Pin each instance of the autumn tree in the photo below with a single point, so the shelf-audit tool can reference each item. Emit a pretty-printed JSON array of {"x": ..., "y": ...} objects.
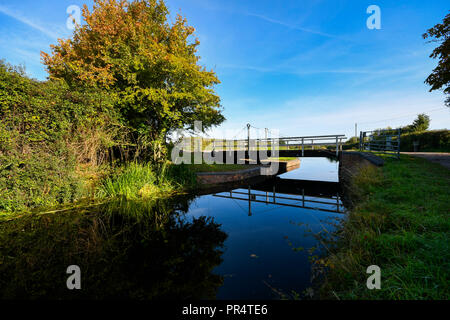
[
  {"x": 150, "y": 65},
  {"x": 440, "y": 77}
]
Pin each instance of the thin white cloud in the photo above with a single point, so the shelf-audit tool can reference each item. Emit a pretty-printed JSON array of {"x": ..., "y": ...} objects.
[
  {"x": 300, "y": 72},
  {"x": 210, "y": 6},
  {"x": 19, "y": 17},
  {"x": 294, "y": 27}
]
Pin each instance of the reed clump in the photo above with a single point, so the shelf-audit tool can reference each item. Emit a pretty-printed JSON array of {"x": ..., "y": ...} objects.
[{"x": 144, "y": 180}]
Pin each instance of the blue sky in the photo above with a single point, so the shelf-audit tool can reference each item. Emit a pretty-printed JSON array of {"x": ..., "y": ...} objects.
[{"x": 302, "y": 67}]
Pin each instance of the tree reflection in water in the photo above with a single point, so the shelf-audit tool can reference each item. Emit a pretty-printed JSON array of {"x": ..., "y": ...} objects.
[{"x": 126, "y": 250}]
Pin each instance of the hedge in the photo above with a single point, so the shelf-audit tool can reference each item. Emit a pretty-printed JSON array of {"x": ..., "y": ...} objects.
[{"x": 434, "y": 140}]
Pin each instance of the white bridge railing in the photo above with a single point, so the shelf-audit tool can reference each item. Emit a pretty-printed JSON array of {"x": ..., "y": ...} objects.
[{"x": 300, "y": 143}]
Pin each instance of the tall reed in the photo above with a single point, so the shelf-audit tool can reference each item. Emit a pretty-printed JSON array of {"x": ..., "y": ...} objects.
[{"x": 138, "y": 180}]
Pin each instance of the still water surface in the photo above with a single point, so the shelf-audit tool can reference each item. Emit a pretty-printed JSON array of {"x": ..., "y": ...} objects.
[
  {"x": 260, "y": 260},
  {"x": 248, "y": 243}
]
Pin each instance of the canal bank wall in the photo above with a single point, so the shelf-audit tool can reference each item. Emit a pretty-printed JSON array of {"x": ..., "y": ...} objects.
[
  {"x": 350, "y": 165},
  {"x": 213, "y": 178},
  {"x": 206, "y": 179}
]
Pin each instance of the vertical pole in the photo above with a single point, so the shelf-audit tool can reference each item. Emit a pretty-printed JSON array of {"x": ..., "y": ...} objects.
[
  {"x": 303, "y": 147},
  {"x": 303, "y": 197},
  {"x": 337, "y": 202},
  {"x": 273, "y": 194},
  {"x": 248, "y": 139},
  {"x": 356, "y": 130},
  {"x": 249, "y": 203},
  {"x": 337, "y": 147},
  {"x": 360, "y": 141},
  {"x": 265, "y": 137},
  {"x": 312, "y": 144}
]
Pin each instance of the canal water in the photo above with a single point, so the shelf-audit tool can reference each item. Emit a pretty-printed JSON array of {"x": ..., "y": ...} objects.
[{"x": 257, "y": 241}]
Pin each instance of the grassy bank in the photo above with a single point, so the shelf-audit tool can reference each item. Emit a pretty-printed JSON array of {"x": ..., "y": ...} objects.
[
  {"x": 400, "y": 222},
  {"x": 143, "y": 181},
  {"x": 133, "y": 181}
]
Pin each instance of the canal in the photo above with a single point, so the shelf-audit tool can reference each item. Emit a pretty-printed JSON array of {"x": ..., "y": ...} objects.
[{"x": 257, "y": 241}]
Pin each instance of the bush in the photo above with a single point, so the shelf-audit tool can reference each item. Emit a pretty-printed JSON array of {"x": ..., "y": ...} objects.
[
  {"x": 46, "y": 131},
  {"x": 434, "y": 140}
]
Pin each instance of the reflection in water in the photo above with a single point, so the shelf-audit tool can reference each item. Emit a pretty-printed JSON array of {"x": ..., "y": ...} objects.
[
  {"x": 329, "y": 204},
  {"x": 236, "y": 244},
  {"x": 268, "y": 253},
  {"x": 124, "y": 249}
]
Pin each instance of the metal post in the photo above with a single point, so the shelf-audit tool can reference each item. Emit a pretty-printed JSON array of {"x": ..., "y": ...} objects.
[
  {"x": 303, "y": 147},
  {"x": 360, "y": 141},
  {"x": 312, "y": 144},
  {"x": 249, "y": 203},
  {"x": 248, "y": 139},
  {"x": 337, "y": 206},
  {"x": 266, "y": 131},
  {"x": 337, "y": 147}
]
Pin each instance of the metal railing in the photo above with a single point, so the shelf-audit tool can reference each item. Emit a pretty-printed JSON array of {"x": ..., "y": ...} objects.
[
  {"x": 382, "y": 140},
  {"x": 300, "y": 143}
]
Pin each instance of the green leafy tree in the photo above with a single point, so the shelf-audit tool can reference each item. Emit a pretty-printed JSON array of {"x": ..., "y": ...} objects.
[
  {"x": 147, "y": 63},
  {"x": 422, "y": 123},
  {"x": 440, "y": 77}
]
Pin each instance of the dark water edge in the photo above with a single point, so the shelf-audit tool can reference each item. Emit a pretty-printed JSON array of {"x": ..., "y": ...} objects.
[{"x": 251, "y": 242}]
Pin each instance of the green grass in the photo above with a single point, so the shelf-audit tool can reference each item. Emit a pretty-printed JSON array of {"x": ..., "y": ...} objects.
[
  {"x": 400, "y": 222},
  {"x": 144, "y": 181}
]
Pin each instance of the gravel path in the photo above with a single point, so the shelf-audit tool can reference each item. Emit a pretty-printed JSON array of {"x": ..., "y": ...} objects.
[{"x": 438, "y": 157}]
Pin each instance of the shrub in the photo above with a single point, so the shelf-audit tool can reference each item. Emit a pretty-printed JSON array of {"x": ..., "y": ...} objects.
[
  {"x": 46, "y": 131},
  {"x": 434, "y": 140}
]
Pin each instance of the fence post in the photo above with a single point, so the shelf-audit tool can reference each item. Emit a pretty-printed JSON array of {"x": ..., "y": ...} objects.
[
  {"x": 337, "y": 147},
  {"x": 360, "y": 141},
  {"x": 303, "y": 147}
]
